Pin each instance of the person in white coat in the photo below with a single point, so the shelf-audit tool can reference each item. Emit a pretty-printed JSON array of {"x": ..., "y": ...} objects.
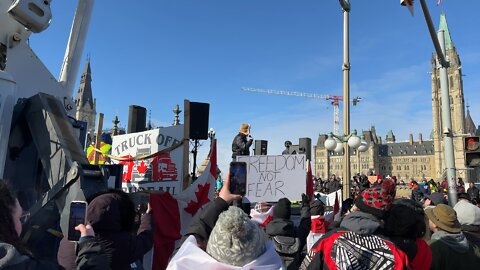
[{"x": 225, "y": 239}]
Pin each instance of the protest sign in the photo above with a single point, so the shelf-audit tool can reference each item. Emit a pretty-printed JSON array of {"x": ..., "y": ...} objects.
[
  {"x": 162, "y": 172},
  {"x": 270, "y": 178}
]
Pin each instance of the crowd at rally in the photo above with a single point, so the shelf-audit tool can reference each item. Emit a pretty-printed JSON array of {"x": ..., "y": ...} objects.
[
  {"x": 384, "y": 224},
  {"x": 374, "y": 229}
]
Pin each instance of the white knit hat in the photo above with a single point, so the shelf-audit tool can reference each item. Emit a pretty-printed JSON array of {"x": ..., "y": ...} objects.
[
  {"x": 235, "y": 239},
  {"x": 467, "y": 213}
]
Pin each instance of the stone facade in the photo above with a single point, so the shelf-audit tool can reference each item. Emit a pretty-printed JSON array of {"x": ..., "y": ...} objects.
[{"x": 412, "y": 159}]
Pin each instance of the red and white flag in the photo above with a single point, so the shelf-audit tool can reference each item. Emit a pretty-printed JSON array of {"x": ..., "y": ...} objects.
[
  {"x": 260, "y": 217},
  {"x": 408, "y": 4},
  {"x": 329, "y": 218},
  {"x": 173, "y": 214},
  {"x": 439, "y": 2}
]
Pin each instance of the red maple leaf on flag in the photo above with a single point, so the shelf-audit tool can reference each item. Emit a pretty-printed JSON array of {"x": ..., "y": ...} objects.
[
  {"x": 202, "y": 199},
  {"x": 142, "y": 167}
]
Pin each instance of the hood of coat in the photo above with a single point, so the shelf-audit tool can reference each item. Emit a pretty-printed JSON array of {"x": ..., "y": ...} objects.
[
  {"x": 108, "y": 213},
  {"x": 361, "y": 223},
  {"x": 456, "y": 241},
  {"x": 280, "y": 226},
  {"x": 191, "y": 257},
  {"x": 9, "y": 255}
]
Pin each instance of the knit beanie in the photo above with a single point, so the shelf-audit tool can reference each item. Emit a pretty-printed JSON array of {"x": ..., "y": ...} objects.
[
  {"x": 282, "y": 209},
  {"x": 317, "y": 208},
  {"x": 235, "y": 240},
  {"x": 377, "y": 200}
]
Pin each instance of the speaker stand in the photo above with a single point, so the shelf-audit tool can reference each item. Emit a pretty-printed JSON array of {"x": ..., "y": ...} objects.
[{"x": 194, "y": 152}]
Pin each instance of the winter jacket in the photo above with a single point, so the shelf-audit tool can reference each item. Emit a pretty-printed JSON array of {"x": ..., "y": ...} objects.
[
  {"x": 333, "y": 186},
  {"x": 191, "y": 257},
  {"x": 318, "y": 228},
  {"x": 241, "y": 145},
  {"x": 122, "y": 248},
  {"x": 474, "y": 193},
  {"x": 417, "y": 250},
  {"x": 343, "y": 249},
  {"x": 453, "y": 251},
  {"x": 284, "y": 231},
  {"x": 89, "y": 256}
]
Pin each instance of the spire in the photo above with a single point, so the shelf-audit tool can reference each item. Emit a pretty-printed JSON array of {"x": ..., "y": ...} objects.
[
  {"x": 444, "y": 26},
  {"x": 469, "y": 124},
  {"x": 390, "y": 137},
  {"x": 84, "y": 94}
]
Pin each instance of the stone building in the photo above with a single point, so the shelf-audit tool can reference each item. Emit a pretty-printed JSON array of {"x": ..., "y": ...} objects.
[
  {"x": 412, "y": 159},
  {"x": 86, "y": 105}
]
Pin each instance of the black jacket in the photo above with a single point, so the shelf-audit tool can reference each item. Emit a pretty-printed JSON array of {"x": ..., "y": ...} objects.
[
  {"x": 121, "y": 247},
  {"x": 89, "y": 256},
  {"x": 474, "y": 193},
  {"x": 286, "y": 228},
  {"x": 240, "y": 145}
]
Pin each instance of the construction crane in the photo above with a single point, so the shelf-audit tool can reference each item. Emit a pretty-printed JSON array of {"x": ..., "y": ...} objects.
[{"x": 335, "y": 100}]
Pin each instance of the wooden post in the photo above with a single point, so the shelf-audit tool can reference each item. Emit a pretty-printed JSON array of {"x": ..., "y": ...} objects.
[
  {"x": 186, "y": 144},
  {"x": 98, "y": 138}
]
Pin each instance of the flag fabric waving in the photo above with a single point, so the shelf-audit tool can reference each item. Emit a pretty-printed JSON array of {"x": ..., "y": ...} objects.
[
  {"x": 173, "y": 214},
  {"x": 439, "y": 2},
  {"x": 260, "y": 217}
]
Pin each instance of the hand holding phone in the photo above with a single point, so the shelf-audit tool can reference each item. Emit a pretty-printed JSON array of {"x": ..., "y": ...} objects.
[
  {"x": 78, "y": 215},
  {"x": 238, "y": 178}
]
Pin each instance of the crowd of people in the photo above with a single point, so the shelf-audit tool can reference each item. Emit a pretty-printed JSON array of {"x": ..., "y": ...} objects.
[
  {"x": 375, "y": 229},
  {"x": 385, "y": 224}
]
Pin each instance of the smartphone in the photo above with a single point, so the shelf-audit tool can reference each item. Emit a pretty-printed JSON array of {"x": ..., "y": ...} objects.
[
  {"x": 238, "y": 178},
  {"x": 78, "y": 215}
]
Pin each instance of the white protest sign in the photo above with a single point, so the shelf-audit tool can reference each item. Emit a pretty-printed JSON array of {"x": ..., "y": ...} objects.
[
  {"x": 162, "y": 172},
  {"x": 270, "y": 178}
]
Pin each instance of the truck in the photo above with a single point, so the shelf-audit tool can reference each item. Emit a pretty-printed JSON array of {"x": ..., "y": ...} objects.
[{"x": 41, "y": 155}]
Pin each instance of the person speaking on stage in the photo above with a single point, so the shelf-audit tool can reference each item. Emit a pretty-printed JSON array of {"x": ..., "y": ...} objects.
[{"x": 242, "y": 142}]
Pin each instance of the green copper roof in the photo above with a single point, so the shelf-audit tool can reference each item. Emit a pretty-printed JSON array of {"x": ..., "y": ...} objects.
[
  {"x": 390, "y": 135},
  {"x": 431, "y": 135},
  {"x": 443, "y": 26}
]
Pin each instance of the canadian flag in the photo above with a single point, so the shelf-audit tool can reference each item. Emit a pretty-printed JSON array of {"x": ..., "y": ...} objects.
[
  {"x": 173, "y": 214},
  {"x": 260, "y": 217}
]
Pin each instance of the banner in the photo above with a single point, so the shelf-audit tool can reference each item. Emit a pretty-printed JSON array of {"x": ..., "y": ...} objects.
[
  {"x": 270, "y": 178},
  {"x": 162, "y": 172}
]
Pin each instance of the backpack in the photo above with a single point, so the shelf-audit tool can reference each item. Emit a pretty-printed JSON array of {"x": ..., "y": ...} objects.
[{"x": 289, "y": 249}]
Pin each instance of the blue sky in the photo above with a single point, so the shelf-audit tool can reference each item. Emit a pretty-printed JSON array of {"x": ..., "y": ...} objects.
[{"x": 158, "y": 53}]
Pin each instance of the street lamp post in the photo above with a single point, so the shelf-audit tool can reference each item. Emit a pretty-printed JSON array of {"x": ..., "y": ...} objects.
[
  {"x": 345, "y": 4},
  {"x": 342, "y": 143},
  {"x": 211, "y": 135}
]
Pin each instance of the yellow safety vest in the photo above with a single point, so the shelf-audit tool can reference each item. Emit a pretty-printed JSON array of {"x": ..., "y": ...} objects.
[{"x": 104, "y": 147}]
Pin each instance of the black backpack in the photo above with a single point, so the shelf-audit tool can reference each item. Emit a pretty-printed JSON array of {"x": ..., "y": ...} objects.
[{"x": 289, "y": 249}]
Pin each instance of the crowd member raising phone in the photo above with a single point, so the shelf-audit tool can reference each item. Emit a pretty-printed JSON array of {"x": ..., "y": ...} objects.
[{"x": 15, "y": 255}]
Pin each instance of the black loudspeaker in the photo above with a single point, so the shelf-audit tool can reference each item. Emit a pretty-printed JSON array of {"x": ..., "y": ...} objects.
[
  {"x": 199, "y": 113},
  {"x": 305, "y": 147},
  {"x": 137, "y": 119},
  {"x": 261, "y": 147}
]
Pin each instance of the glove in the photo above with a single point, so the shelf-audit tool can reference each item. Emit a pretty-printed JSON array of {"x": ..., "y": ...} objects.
[{"x": 305, "y": 199}]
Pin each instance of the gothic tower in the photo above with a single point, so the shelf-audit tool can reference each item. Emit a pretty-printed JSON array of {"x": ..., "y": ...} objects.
[
  {"x": 84, "y": 101},
  {"x": 457, "y": 107}
]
